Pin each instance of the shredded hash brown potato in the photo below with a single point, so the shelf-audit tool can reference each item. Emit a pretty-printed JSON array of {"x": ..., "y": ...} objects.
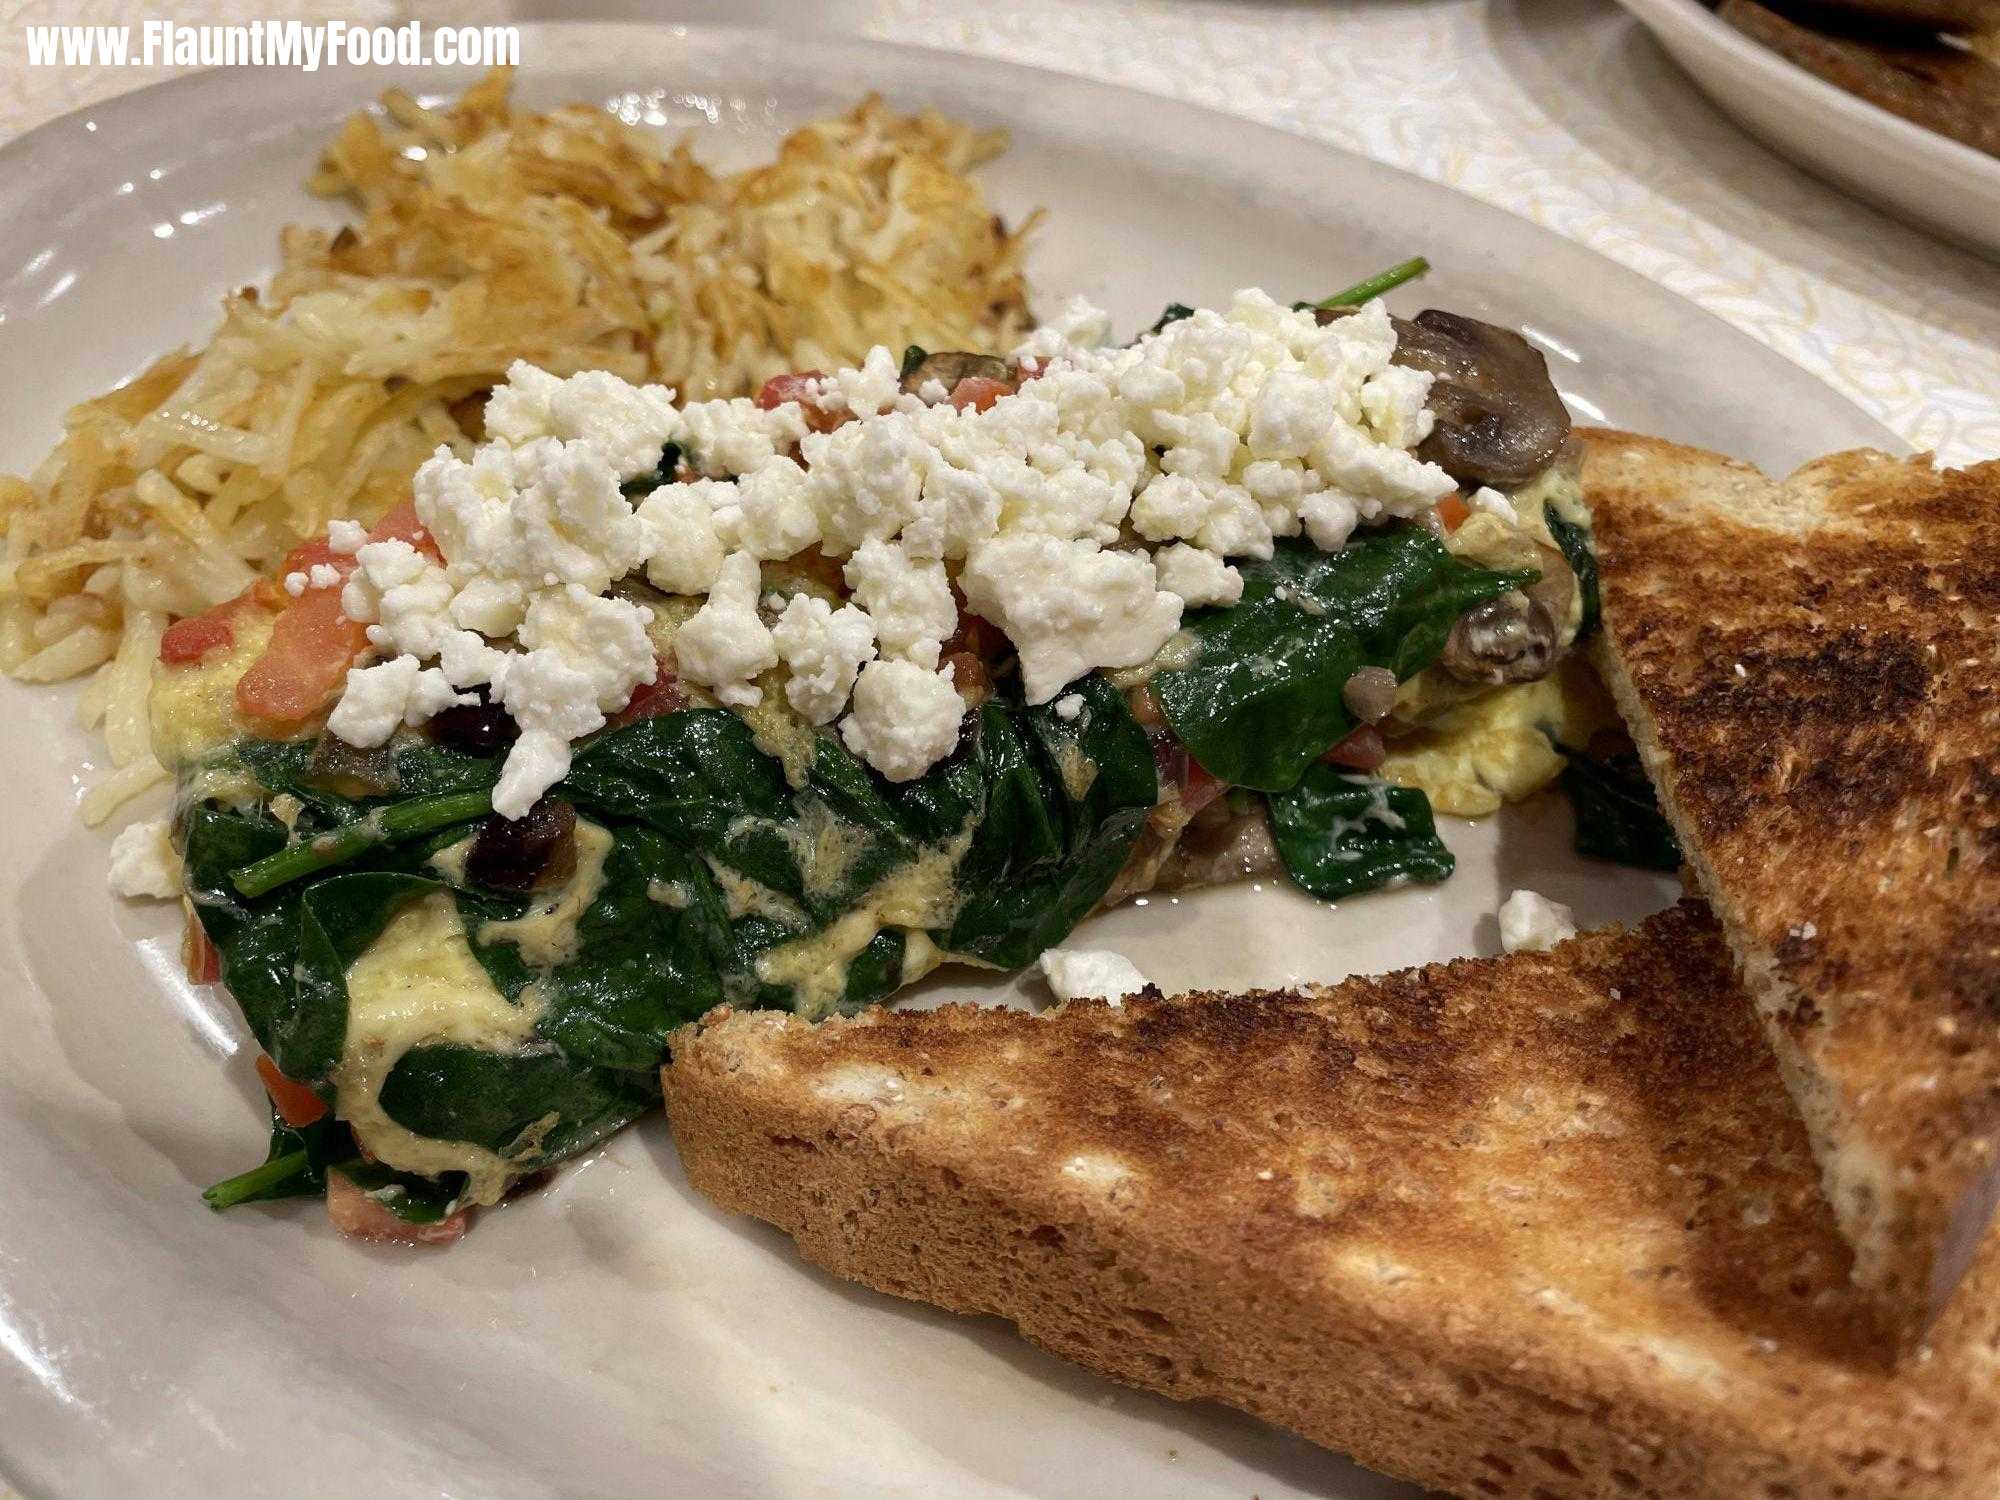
[{"x": 486, "y": 234}]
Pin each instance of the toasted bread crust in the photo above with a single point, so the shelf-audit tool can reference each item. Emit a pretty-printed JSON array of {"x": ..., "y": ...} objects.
[
  {"x": 1542, "y": 1226},
  {"x": 1810, "y": 670}
]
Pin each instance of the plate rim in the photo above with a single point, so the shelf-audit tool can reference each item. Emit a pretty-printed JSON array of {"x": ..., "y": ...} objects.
[{"x": 1692, "y": 19}]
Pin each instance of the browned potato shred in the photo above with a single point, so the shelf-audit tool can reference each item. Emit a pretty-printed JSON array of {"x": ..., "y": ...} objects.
[{"x": 486, "y": 234}]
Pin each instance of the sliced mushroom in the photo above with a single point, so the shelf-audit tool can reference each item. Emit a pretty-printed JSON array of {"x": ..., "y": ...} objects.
[
  {"x": 1370, "y": 693},
  {"x": 1499, "y": 419},
  {"x": 530, "y": 853},
  {"x": 952, "y": 366},
  {"x": 1513, "y": 638}
]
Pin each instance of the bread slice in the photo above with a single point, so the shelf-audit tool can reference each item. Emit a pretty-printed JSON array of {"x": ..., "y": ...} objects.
[
  {"x": 1812, "y": 672},
  {"x": 1541, "y": 1226}
]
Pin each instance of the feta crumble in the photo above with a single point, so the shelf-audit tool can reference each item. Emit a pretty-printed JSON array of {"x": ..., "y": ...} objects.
[
  {"x": 1530, "y": 922},
  {"x": 1080, "y": 515},
  {"x": 905, "y": 719},
  {"x": 143, "y": 862},
  {"x": 1091, "y": 974}
]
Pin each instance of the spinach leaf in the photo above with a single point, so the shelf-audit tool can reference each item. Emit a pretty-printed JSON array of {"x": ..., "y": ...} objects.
[
  {"x": 649, "y": 951},
  {"x": 1175, "y": 311},
  {"x": 258, "y": 942},
  {"x": 913, "y": 356},
  {"x": 1261, "y": 699},
  {"x": 1066, "y": 801},
  {"x": 1581, "y": 555},
  {"x": 504, "y": 1100},
  {"x": 1340, "y": 834},
  {"x": 1617, "y": 816},
  {"x": 699, "y": 778},
  {"x": 338, "y": 918},
  {"x": 422, "y": 769}
]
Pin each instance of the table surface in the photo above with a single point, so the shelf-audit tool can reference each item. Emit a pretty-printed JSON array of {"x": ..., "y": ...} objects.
[{"x": 1563, "y": 111}]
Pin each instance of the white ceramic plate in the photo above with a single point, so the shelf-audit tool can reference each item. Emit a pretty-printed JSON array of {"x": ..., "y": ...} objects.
[
  {"x": 613, "y": 1335},
  {"x": 1944, "y": 185}
]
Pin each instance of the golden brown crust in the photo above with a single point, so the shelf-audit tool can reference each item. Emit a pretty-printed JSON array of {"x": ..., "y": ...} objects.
[
  {"x": 1541, "y": 1226},
  {"x": 1811, "y": 672},
  {"x": 1943, "y": 88}
]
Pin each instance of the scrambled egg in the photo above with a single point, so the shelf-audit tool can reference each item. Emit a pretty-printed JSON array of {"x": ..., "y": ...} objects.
[{"x": 1471, "y": 758}]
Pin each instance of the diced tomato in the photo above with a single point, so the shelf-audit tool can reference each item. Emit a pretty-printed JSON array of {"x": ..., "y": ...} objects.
[
  {"x": 1029, "y": 368},
  {"x": 1362, "y": 750},
  {"x": 295, "y": 1103},
  {"x": 663, "y": 695},
  {"x": 977, "y": 392},
  {"x": 969, "y": 676},
  {"x": 313, "y": 643},
  {"x": 193, "y": 638},
  {"x": 201, "y": 958},
  {"x": 359, "y": 1216},
  {"x": 1453, "y": 512},
  {"x": 801, "y": 387}
]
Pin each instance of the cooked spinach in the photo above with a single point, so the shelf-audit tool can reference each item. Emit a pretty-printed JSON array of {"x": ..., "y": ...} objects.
[
  {"x": 1581, "y": 555},
  {"x": 413, "y": 1199},
  {"x": 1260, "y": 701},
  {"x": 294, "y": 1167},
  {"x": 913, "y": 356},
  {"x": 649, "y": 955},
  {"x": 1340, "y": 834},
  {"x": 1066, "y": 801},
  {"x": 1617, "y": 815},
  {"x": 1175, "y": 311},
  {"x": 534, "y": 1107}
]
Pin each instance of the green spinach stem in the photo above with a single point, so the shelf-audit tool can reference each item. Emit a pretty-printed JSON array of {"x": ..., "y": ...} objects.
[
  {"x": 385, "y": 825},
  {"x": 1375, "y": 286},
  {"x": 258, "y": 1181}
]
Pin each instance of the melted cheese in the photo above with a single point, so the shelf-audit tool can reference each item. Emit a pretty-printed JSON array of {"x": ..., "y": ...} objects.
[
  {"x": 419, "y": 982},
  {"x": 917, "y": 896},
  {"x": 546, "y": 935}
]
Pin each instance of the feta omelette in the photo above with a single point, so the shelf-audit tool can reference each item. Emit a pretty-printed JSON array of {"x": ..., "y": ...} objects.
[{"x": 635, "y": 708}]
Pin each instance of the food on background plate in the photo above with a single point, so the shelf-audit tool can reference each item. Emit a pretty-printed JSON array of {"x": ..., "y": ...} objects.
[
  {"x": 485, "y": 234},
  {"x": 1945, "y": 85},
  {"x": 1827, "y": 745},
  {"x": 639, "y": 707},
  {"x": 1541, "y": 1225}
]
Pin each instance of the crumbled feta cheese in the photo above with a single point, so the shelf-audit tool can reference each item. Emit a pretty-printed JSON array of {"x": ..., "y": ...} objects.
[
  {"x": 1091, "y": 974},
  {"x": 1200, "y": 578},
  {"x": 684, "y": 552},
  {"x": 627, "y": 424},
  {"x": 603, "y": 639},
  {"x": 1329, "y": 519},
  {"x": 345, "y": 537},
  {"x": 725, "y": 645},
  {"x": 737, "y": 436},
  {"x": 1530, "y": 922},
  {"x": 1069, "y": 706},
  {"x": 1491, "y": 502},
  {"x": 143, "y": 862},
  {"x": 867, "y": 478},
  {"x": 823, "y": 649},
  {"x": 1068, "y": 607},
  {"x": 295, "y": 584},
  {"x": 909, "y": 601},
  {"x": 905, "y": 719},
  {"x": 381, "y": 699},
  {"x": 770, "y": 513},
  {"x": 865, "y": 391}
]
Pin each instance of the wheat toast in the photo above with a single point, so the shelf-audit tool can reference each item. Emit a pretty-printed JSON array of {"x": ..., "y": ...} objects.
[
  {"x": 1812, "y": 672},
  {"x": 1541, "y": 1226}
]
